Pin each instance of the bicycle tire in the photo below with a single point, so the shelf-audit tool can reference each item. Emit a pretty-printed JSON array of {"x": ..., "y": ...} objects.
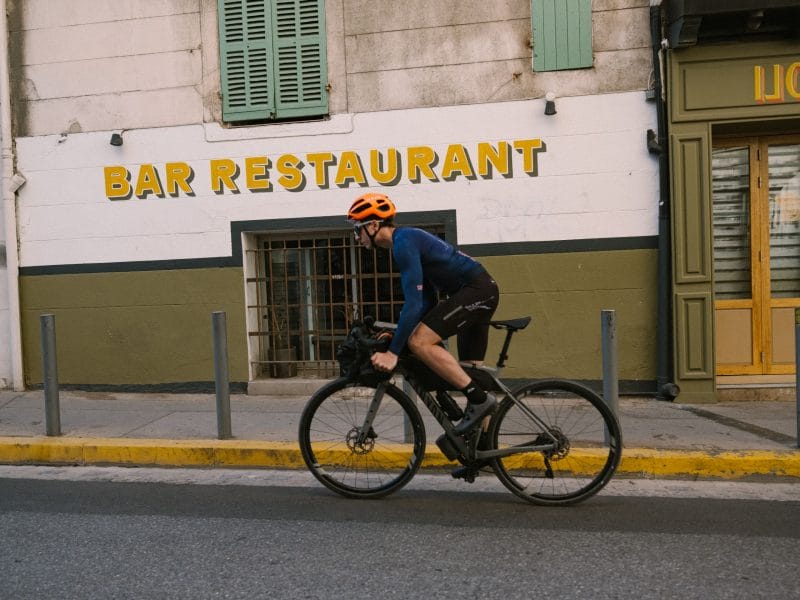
[
  {"x": 589, "y": 451},
  {"x": 388, "y": 460}
]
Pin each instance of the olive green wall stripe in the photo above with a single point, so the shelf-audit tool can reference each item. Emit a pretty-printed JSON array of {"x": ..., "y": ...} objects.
[
  {"x": 152, "y": 329},
  {"x": 564, "y": 293},
  {"x": 139, "y": 328}
]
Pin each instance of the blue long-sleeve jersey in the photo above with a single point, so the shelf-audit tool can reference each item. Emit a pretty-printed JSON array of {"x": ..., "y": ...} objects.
[{"x": 427, "y": 264}]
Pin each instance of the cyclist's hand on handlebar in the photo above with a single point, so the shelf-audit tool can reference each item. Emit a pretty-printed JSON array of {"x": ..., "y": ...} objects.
[{"x": 384, "y": 361}]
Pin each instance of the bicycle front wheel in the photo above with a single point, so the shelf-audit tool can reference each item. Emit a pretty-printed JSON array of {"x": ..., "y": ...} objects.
[
  {"x": 357, "y": 463},
  {"x": 582, "y": 459}
]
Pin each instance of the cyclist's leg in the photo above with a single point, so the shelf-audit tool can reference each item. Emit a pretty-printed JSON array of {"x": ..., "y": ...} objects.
[
  {"x": 474, "y": 304},
  {"x": 466, "y": 314},
  {"x": 425, "y": 344},
  {"x": 472, "y": 341}
]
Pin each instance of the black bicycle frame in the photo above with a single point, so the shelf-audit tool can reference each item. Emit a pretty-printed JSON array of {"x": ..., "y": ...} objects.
[{"x": 470, "y": 452}]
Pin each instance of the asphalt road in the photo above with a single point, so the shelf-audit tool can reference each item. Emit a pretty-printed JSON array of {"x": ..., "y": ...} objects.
[{"x": 103, "y": 539}]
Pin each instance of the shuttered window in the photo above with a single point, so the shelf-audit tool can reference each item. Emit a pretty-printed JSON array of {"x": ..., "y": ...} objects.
[
  {"x": 562, "y": 34},
  {"x": 730, "y": 169},
  {"x": 784, "y": 220},
  {"x": 272, "y": 59}
]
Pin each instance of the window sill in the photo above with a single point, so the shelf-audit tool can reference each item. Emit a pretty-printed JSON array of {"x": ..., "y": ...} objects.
[{"x": 336, "y": 124}]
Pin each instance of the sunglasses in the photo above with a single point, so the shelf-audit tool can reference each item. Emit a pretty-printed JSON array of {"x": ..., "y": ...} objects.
[{"x": 358, "y": 227}]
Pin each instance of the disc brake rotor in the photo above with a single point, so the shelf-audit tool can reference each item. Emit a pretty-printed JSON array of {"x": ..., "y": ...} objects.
[{"x": 363, "y": 446}]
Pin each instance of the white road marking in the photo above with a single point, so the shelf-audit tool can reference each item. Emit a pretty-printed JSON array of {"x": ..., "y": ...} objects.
[{"x": 486, "y": 482}]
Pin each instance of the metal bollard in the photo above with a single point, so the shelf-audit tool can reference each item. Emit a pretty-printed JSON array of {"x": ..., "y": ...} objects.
[
  {"x": 608, "y": 328},
  {"x": 797, "y": 370},
  {"x": 52, "y": 411},
  {"x": 221, "y": 375},
  {"x": 608, "y": 323}
]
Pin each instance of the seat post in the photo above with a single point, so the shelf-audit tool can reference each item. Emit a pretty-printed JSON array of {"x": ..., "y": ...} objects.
[{"x": 501, "y": 361}]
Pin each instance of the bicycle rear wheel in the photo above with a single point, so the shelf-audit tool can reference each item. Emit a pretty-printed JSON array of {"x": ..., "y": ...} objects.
[
  {"x": 361, "y": 466},
  {"x": 588, "y": 449}
]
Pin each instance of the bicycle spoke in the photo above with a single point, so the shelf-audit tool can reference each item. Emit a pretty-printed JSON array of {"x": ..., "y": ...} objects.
[
  {"x": 583, "y": 456},
  {"x": 352, "y": 461}
]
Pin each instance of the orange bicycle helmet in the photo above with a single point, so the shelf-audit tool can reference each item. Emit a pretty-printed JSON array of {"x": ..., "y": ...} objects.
[{"x": 371, "y": 206}]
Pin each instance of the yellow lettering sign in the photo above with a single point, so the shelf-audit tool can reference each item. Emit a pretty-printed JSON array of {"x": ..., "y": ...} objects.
[
  {"x": 456, "y": 162},
  {"x": 772, "y": 85},
  {"x": 118, "y": 183},
  {"x": 320, "y": 161},
  {"x": 388, "y": 174},
  {"x": 490, "y": 157},
  {"x": 256, "y": 173},
  {"x": 792, "y": 83},
  {"x": 291, "y": 169},
  {"x": 421, "y": 160},
  {"x": 529, "y": 150},
  {"x": 224, "y": 173},
  {"x": 386, "y": 167},
  {"x": 350, "y": 170},
  {"x": 148, "y": 182},
  {"x": 179, "y": 179}
]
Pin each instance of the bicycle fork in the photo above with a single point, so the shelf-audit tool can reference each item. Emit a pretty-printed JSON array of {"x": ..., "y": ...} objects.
[{"x": 367, "y": 432}]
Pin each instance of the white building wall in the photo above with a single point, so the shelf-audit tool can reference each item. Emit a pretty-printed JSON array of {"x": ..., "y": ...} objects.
[
  {"x": 6, "y": 371},
  {"x": 91, "y": 65},
  {"x": 422, "y": 53},
  {"x": 104, "y": 65},
  {"x": 401, "y": 75},
  {"x": 593, "y": 179}
]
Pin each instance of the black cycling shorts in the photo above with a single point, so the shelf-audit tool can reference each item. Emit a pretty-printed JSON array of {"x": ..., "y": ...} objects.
[{"x": 467, "y": 314}]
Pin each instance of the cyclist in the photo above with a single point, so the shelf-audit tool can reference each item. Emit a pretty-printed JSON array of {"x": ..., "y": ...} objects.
[{"x": 428, "y": 264}]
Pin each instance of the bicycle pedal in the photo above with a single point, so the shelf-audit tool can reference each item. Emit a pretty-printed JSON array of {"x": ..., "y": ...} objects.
[{"x": 468, "y": 474}]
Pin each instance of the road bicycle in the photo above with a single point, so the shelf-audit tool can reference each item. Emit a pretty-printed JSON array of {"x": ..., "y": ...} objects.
[{"x": 551, "y": 442}]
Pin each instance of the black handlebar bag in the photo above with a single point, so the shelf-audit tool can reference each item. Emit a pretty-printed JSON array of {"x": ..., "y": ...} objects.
[{"x": 354, "y": 360}]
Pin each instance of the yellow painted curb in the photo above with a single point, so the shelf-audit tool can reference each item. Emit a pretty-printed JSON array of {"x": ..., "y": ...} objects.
[
  {"x": 725, "y": 465},
  {"x": 143, "y": 452},
  {"x": 636, "y": 462}
]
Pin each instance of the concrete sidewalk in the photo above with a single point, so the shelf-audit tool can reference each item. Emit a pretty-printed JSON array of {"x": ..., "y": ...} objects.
[{"x": 733, "y": 440}]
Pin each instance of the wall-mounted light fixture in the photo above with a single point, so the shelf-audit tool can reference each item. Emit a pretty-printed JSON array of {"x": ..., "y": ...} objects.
[
  {"x": 17, "y": 181},
  {"x": 653, "y": 145},
  {"x": 116, "y": 139},
  {"x": 549, "y": 103},
  {"x": 755, "y": 19}
]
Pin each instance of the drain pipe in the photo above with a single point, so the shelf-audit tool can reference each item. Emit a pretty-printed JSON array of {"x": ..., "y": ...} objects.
[
  {"x": 657, "y": 144},
  {"x": 11, "y": 183}
]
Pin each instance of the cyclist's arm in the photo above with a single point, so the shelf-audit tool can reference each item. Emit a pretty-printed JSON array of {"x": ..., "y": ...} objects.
[{"x": 415, "y": 301}]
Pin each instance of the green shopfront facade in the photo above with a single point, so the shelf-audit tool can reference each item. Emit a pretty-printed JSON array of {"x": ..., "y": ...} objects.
[{"x": 734, "y": 137}]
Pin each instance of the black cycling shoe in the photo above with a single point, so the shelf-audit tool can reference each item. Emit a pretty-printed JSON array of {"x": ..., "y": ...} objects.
[
  {"x": 474, "y": 414},
  {"x": 466, "y": 473}
]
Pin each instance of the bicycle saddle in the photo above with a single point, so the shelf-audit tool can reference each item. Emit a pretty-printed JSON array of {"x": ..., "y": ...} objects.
[{"x": 511, "y": 324}]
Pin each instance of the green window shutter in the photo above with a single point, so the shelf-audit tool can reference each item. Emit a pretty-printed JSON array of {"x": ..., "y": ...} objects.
[
  {"x": 300, "y": 54},
  {"x": 245, "y": 50},
  {"x": 562, "y": 34}
]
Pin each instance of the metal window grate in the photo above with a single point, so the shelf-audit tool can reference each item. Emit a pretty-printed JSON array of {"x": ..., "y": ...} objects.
[{"x": 309, "y": 288}]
